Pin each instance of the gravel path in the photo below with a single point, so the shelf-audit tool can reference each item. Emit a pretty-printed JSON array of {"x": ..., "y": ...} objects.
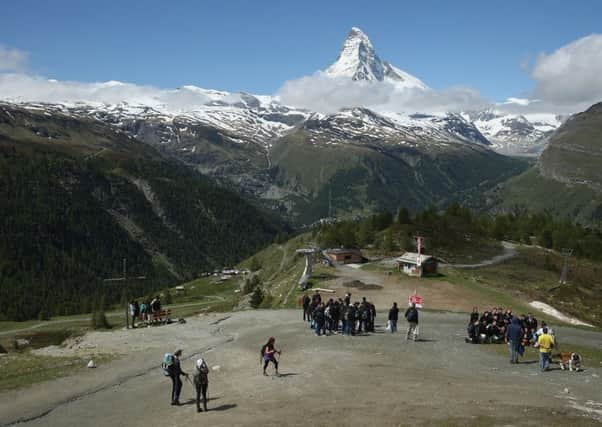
[
  {"x": 377, "y": 379},
  {"x": 509, "y": 252}
]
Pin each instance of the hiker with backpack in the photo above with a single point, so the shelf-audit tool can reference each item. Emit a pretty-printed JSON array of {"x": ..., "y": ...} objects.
[
  {"x": 201, "y": 383},
  {"x": 411, "y": 316},
  {"x": 172, "y": 369},
  {"x": 268, "y": 354}
]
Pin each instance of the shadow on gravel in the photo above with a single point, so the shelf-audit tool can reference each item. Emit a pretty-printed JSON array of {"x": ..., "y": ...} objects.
[
  {"x": 288, "y": 374},
  {"x": 224, "y": 407},
  {"x": 425, "y": 340},
  {"x": 193, "y": 401}
]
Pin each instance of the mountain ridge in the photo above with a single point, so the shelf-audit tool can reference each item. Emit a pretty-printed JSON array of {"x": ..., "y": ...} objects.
[
  {"x": 358, "y": 60},
  {"x": 567, "y": 178}
]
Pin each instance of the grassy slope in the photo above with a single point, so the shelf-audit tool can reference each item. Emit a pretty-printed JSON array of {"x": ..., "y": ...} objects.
[
  {"x": 539, "y": 194},
  {"x": 533, "y": 275},
  {"x": 25, "y": 368},
  {"x": 357, "y": 178},
  {"x": 568, "y": 177},
  {"x": 574, "y": 150},
  {"x": 280, "y": 270}
]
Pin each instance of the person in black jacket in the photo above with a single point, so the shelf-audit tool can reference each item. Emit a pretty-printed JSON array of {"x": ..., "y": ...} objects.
[
  {"x": 372, "y": 316},
  {"x": 514, "y": 334},
  {"x": 306, "y": 304},
  {"x": 175, "y": 371},
  {"x": 530, "y": 324},
  {"x": 473, "y": 332},
  {"x": 393, "y": 316},
  {"x": 474, "y": 316},
  {"x": 320, "y": 319},
  {"x": 411, "y": 316}
]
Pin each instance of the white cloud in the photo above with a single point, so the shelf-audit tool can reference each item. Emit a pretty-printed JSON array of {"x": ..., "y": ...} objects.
[
  {"x": 571, "y": 76},
  {"x": 567, "y": 80},
  {"x": 26, "y": 88},
  {"x": 12, "y": 59},
  {"x": 323, "y": 93},
  {"x": 518, "y": 101}
]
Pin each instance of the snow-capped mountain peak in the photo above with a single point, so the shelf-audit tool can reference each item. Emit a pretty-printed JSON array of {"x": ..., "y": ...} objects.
[{"x": 358, "y": 60}]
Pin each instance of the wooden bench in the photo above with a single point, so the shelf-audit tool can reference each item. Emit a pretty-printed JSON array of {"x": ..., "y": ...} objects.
[{"x": 162, "y": 317}]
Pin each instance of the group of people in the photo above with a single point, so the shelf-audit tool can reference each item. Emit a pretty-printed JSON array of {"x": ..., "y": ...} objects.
[
  {"x": 144, "y": 311},
  {"x": 352, "y": 318},
  {"x": 497, "y": 326},
  {"x": 491, "y": 326},
  {"x": 173, "y": 369},
  {"x": 327, "y": 318}
]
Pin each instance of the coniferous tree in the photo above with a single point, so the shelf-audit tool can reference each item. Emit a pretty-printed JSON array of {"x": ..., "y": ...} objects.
[
  {"x": 167, "y": 296},
  {"x": 403, "y": 216},
  {"x": 256, "y": 297}
]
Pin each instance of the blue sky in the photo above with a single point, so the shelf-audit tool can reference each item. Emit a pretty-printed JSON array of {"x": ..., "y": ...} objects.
[{"x": 257, "y": 46}]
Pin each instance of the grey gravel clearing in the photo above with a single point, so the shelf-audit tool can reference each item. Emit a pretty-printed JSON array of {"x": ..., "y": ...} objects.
[{"x": 377, "y": 379}]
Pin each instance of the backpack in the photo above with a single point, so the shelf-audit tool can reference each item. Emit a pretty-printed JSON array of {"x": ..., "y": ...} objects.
[
  {"x": 167, "y": 363},
  {"x": 412, "y": 315}
]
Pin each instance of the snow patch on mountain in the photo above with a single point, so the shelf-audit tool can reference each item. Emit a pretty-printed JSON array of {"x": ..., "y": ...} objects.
[
  {"x": 516, "y": 134},
  {"x": 241, "y": 117},
  {"x": 361, "y": 125}
]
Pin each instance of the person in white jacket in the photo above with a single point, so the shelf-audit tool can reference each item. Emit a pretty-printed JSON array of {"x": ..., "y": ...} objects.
[{"x": 201, "y": 383}]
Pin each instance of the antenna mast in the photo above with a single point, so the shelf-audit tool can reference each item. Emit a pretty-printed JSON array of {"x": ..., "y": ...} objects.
[{"x": 419, "y": 240}]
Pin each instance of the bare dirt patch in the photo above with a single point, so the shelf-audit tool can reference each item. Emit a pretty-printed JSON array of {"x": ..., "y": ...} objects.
[
  {"x": 358, "y": 284},
  {"x": 376, "y": 379}
]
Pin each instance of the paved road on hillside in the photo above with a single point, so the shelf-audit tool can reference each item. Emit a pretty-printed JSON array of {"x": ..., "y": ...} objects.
[{"x": 376, "y": 379}]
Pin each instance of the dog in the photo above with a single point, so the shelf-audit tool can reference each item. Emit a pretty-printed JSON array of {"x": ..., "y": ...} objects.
[{"x": 572, "y": 360}]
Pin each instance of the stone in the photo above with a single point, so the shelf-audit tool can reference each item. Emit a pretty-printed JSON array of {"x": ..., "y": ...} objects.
[{"x": 22, "y": 342}]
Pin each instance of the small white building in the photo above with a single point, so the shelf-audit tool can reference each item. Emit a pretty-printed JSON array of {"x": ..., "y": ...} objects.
[{"x": 418, "y": 265}]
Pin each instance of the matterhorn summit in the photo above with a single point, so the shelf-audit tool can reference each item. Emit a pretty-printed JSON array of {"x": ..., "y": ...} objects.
[{"x": 358, "y": 60}]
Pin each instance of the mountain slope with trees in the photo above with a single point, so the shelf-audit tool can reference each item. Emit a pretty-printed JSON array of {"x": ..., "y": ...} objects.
[{"x": 77, "y": 196}]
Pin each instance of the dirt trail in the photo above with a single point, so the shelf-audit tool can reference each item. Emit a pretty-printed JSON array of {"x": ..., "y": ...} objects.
[
  {"x": 438, "y": 294},
  {"x": 509, "y": 252},
  {"x": 377, "y": 379}
]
